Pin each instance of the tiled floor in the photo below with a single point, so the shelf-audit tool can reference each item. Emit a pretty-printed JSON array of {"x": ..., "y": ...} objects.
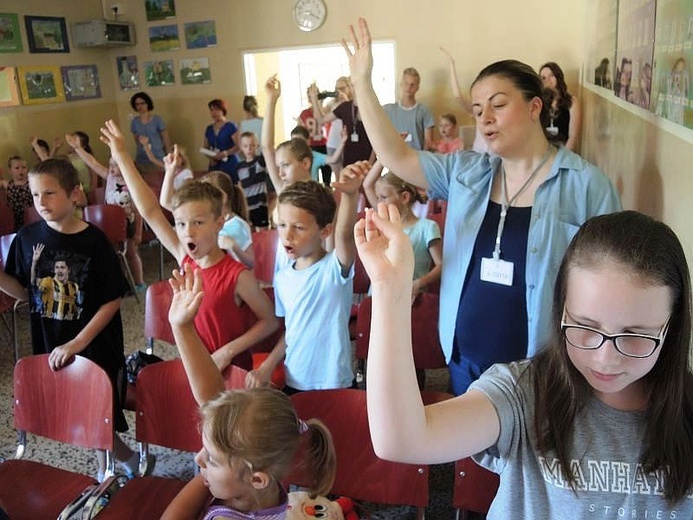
[{"x": 170, "y": 462}]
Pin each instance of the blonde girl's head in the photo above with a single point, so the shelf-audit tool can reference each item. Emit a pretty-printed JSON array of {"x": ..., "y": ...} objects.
[
  {"x": 447, "y": 126},
  {"x": 391, "y": 189},
  {"x": 233, "y": 196},
  {"x": 258, "y": 430},
  {"x": 294, "y": 159}
]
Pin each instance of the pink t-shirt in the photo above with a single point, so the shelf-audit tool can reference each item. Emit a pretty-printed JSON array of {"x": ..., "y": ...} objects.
[{"x": 450, "y": 146}]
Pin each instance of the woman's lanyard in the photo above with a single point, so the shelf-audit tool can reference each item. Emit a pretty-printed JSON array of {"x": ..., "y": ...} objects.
[
  {"x": 505, "y": 203},
  {"x": 354, "y": 115}
]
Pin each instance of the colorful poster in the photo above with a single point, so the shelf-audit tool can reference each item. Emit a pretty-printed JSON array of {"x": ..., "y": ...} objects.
[
  {"x": 164, "y": 38},
  {"x": 159, "y": 9},
  {"x": 9, "y": 93},
  {"x": 159, "y": 73},
  {"x": 10, "y": 36},
  {"x": 671, "y": 89},
  {"x": 601, "y": 42},
  {"x": 41, "y": 84},
  {"x": 81, "y": 82},
  {"x": 128, "y": 73},
  {"x": 195, "y": 71},
  {"x": 635, "y": 47},
  {"x": 199, "y": 35}
]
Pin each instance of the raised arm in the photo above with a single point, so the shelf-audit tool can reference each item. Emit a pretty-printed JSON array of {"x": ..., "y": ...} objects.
[
  {"x": 273, "y": 89},
  {"x": 203, "y": 375},
  {"x": 387, "y": 143},
  {"x": 369, "y": 182},
  {"x": 40, "y": 152},
  {"x": 443, "y": 432},
  {"x": 322, "y": 116},
  {"x": 76, "y": 144},
  {"x": 575, "y": 125},
  {"x": 464, "y": 101},
  {"x": 167, "y": 189},
  {"x": 144, "y": 141},
  {"x": 350, "y": 180},
  {"x": 142, "y": 195}
]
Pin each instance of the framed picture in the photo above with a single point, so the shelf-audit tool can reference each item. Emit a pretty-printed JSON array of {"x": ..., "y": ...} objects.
[
  {"x": 9, "y": 94},
  {"x": 128, "y": 72},
  {"x": 159, "y": 73},
  {"x": 46, "y": 34},
  {"x": 10, "y": 35},
  {"x": 41, "y": 84},
  {"x": 199, "y": 35},
  {"x": 159, "y": 9},
  {"x": 81, "y": 82},
  {"x": 164, "y": 38},
  {"x": 195, "y": 71}
]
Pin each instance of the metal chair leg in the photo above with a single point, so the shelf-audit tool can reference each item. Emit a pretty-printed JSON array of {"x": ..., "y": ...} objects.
[{"x": 128, "y": 274}]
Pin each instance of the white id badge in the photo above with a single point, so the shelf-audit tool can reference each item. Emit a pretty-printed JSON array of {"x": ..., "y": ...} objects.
[
  {"x": 497, "y": 271},
  {"x": 408, "y": 138},
  {"x": 354, "y": 137}
]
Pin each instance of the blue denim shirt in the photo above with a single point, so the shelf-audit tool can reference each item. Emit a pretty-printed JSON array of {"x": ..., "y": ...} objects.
[{"x": 573, "y": 191}]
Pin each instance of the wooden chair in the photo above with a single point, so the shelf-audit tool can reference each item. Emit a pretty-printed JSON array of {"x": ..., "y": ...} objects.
[
  {"x": 9, "y": 307},
  {"x": 361, "y": 475},
  {"x": 167, "y": 415},
  {"x": 31, "y": 215},
  {"x": 428, "y": 353},
  {"x": 72, "y": 405},
  {"x": 6, "y": 219},
  {"x": 112, "y": 220},
  {"x": 265, "y": 249},
  {"x": 475, "y": 488}
]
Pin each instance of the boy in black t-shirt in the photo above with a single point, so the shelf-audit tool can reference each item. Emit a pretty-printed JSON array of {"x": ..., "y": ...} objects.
[
  {"x": 254, "y": 180},
  {"x": 70, "y": 274}
]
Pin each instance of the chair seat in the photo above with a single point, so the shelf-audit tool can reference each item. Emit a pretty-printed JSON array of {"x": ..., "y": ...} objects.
[
  {"x": 33, "y": 490},
  {"x": 142, "y": 498}
]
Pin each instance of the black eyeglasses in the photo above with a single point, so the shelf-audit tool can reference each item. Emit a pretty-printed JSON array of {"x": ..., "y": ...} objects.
[{"x": 628, "y": 344}]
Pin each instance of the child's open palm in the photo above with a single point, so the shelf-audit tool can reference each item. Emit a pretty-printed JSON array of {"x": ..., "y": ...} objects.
[
  {"x": 383, "y": 247},
  {"x": 361, "y": 57},
  {"x": 73, "y": 141},
  {"x": 113, "y": 137},
  {"x": 187, "y": 296},
  {"x": 351, "y": 177}
]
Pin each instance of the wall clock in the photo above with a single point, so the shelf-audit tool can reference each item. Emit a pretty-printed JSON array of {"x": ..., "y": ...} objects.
[{"x": 309, "y": 14}]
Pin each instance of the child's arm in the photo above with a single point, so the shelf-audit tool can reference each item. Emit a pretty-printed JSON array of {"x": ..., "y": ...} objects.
[
  {"x": 435, "y": 249},
  {"x": 144, "y": 141},
  {"x": 321, "y": 116},
  {"x": 40, "y": 152},
  {"x": 142, "y": 195},
  {"x": 246, "y": 256},
  {"x": 450, "y": 430},
  {"x": 12, "y": 287},
  {"x": 463, "y": 100},
  {"x": 369, "y": 182},
  {"x": 88, "y": 158},
  {"x": 350, "y": 179},
  {"x": 336, "y": 156},
  {"x": 81, "y": 200},
  {"x": 58, "y": 143},
  {"x": 263, "y": 374},
  {"x": 62, "y": 354},
  {"x": 189, "y": 501},
  {"x": 167, "y": 189},
  {"x": 273, "y": 88},
  {"x": 204, "y": 377},
  {"x": 248, "y": 291}
]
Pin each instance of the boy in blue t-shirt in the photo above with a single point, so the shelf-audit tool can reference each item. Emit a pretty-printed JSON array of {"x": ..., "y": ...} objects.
[
  {"x": 253, "y": 178},
  {"x": 314, "y": 291}
]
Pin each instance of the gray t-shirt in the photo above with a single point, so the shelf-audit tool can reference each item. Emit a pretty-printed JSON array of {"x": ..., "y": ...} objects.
[
  {"x": 606, "y": 450},
  {"x": 413, "y": 121}
]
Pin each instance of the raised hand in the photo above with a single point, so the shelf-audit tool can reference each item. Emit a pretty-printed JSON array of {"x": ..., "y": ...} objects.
[
  {"x": 351, "y": 177},
  {"x": 113, "y": 137},
  {"x": 273, "y": 87},
  {"x": 451, "y": 60},
  {"x": 187, "y": 296},
  {"x": 36, "y": 252},
  {"x": 383, "y": 247},
  {"x": 73, "y": 141},
  {"x": 143, "y": 139},
  {"x": 360, "y": 54},
  {"x": 170, "y": 159}
]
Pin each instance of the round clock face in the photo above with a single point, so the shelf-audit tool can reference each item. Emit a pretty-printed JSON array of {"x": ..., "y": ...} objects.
[{"x": 309, "y": 14}]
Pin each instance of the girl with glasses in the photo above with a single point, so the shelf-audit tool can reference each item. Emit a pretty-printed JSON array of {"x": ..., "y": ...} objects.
[{"x": 599, "y": 424}]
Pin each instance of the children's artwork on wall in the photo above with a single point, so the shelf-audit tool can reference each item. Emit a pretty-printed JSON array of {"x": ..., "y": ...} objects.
[
  {"x": 46, "y": 34},
  {"x": 10, "y": 35},
  {"x": 81, "y": 82},
  {"x": 159, "y": 73},
  {"x": 164, "y": 38},
  {"x": 41, "y": 84},
  {"x": 199, "y": 35},
  {"x": 128, "y": 72},
  {"x": 159, "y": 9},
  {"x": 601, "y": 42},
  {"x": 9, "y": 93},
  {"x": 195, "y": 71}
]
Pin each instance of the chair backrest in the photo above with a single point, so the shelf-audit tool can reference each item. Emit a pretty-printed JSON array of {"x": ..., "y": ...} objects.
[
  {"x": 156, "y": 306},
  {"x": 265, "y": 249},
  {"x": 167, "y": 414},
  {"x": 71, "y": 405},
  {"x": 110, "y": 219},
  {"x": 5, "y": 243},
  {"x": 424, "y": 331},
  {"x": 97, "y": 195},
  {"x": 361, "y": 475},
  {"x": 31, "y": 215},
  {"x": 6, "y": 219},
  {"x": 475, "y": 487}
]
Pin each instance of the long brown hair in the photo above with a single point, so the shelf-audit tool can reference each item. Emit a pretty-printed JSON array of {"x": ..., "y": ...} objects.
[{"x": 650, "y": 250}]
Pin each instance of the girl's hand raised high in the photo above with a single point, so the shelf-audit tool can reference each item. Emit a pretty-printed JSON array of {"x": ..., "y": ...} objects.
[
  {"x": 187, "y": 296},
  {"x": 113, "y": 137},
  {"x": 384, "y": 249},
  {"x": 360, "y": 54}
]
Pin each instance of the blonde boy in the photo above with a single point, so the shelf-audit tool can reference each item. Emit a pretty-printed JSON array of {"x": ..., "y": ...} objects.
[{"x": 228, "y": 284}]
